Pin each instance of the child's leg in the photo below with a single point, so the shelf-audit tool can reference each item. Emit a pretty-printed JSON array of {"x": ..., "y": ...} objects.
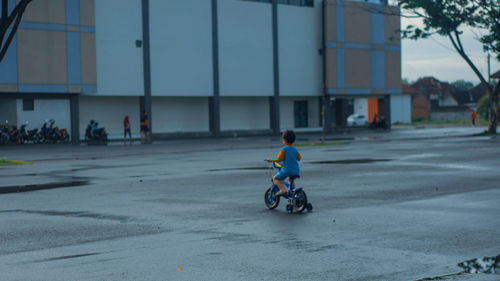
[{"x": 280, "y": 185}]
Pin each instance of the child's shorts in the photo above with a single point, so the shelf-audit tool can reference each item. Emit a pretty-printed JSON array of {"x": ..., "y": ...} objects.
[{"x": 282, "y": 175}]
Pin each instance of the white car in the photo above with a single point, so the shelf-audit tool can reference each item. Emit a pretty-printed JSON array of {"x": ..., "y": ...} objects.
[{"x": 357, "y": 120}]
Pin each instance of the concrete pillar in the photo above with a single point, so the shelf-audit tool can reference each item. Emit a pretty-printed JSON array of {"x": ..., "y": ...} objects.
[
  {"x": 387, "y": 109},
  {"x": 147, "y": 66},
  {"x": 75, "y": 119},
  {"x": 214, "y": 101},
  {"x": 275, "y": 100}
]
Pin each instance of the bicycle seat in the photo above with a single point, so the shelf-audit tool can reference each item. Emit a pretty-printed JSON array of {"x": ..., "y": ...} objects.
[{"x": 294, "y": 177}]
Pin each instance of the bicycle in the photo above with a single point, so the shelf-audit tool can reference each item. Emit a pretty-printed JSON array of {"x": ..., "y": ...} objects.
[{"x": 297, "y": 198}]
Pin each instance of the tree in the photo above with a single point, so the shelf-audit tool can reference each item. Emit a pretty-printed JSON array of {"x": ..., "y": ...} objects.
[
  {"x": 406, "y": 81},
  {"x": 448, "y": 18},
  {"x": 10, "y": 21},
  {"x": 463, "y": 85}
]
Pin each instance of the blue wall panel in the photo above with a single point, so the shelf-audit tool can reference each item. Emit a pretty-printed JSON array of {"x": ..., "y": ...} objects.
[
  {"x": 357, "y": 91},
  {"x": 74, "y": 62},
  {"x": 377, "y": 28},
  {"x": 42, "y": 26},
  {"x": 73, "y": 12},
  {"x": 33, "y": 88},
  {"x": 357, "y": 46},
  {"x": 377, "y": 69},
  {"x": 12, "y": 5},
  {"x": 339, "y": 24},
  {"x": 89, "y": 89},
  {"x": 340, "y": 68},
  {"x": 8, "y": 66}
]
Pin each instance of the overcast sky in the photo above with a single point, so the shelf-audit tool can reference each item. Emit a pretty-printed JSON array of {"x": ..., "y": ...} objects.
[{"x": 437, "y": 57}]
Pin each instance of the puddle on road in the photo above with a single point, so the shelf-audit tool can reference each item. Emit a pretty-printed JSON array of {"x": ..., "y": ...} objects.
[
  {"x": 351, "y": 161},
  {"x": 241, "y": 169},
  {"x": 61, "y": 258},
  {"x": 34, "y": 187},
  {"x": 489, "y": 265},
  {"x": 70, "y": 214}
]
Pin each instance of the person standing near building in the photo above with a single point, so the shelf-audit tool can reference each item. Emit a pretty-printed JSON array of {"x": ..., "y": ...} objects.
[
  {"x": 144, "y": 127},
  {"x": 126, "y": 128},
  {"x": 473, "y": 118}
]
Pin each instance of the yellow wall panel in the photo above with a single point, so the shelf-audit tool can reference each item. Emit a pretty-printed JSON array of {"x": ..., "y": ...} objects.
[
  {"x": 393, "y": 70},
  {"x": 357, "y": 22},
  {"x": 41, "y": 57},
  {"x": 357, "y": 69},
  {"x": 46, "y": 11}
]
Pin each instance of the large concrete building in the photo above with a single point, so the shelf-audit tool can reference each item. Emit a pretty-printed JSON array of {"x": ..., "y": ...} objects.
[{"x": 211, "y": 67}]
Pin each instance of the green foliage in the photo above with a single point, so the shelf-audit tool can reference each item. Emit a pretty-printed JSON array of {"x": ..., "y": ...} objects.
[
  {"x": 463, "y": 85},
  {"x": 439, "y": 16},
  {"x": 483, "y": 108},
  {"x": 5, "y": 162},
  {"x": 406, "y": 81},
  {"x": 447, "y": 17},
  {"x": 419, "y": 119}
]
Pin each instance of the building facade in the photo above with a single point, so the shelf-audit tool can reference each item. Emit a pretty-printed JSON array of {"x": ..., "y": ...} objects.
[{"x": 212, "y": 67}]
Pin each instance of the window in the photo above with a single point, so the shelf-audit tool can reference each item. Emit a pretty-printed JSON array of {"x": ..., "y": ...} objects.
[
  {"x": 28, "y": 105},
  {"x": 301, "y": 3},
  {"x": 372, "y": 1}
]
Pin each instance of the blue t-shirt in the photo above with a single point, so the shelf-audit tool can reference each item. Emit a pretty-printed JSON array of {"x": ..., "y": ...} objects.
[{"x": 290, "y": 163}]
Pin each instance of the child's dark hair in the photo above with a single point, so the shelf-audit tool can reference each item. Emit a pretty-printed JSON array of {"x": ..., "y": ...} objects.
[{"x": 289, "y": 136}]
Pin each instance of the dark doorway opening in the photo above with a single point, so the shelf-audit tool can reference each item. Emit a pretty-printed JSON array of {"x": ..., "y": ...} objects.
[
  {"x": 300, "y": 112},
  {"x": 342, "y": 109}
]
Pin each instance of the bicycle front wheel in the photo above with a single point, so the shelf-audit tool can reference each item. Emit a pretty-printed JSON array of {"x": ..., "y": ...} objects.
[{"x": 270, "y": 199}]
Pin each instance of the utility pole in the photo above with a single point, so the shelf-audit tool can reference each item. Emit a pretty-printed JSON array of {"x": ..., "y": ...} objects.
[
  {"x": 489, "y": 70},
  {"x": 275, "y": 99},
  {"x": 147, "y": 66}
]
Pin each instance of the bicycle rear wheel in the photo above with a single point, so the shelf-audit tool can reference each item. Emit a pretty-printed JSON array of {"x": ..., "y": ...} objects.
[{"x": 300, "y": 201}]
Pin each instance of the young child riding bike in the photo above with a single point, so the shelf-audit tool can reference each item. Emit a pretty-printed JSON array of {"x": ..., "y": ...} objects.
[{"x": 290, "y": 157}]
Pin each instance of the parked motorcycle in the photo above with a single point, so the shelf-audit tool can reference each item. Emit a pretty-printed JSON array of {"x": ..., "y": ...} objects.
[
  {"x": 378, "y": 122},
  {"x": 5, "y": 133},
  {"x": 27, "y": 136},
  {"x": 94, "y": 134},
  {"x": 51, "y": 134},
  {"x": 14, "y": 136}
]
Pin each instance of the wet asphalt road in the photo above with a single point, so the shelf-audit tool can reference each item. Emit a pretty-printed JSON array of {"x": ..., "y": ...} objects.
[{"x": 193, "y": 210}]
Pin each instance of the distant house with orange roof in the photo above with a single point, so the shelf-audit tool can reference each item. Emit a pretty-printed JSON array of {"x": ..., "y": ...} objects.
[
  {"x": 439, "y": 93},
  {"x": 438, "y": 100},
  {"x": 420, "y": 105}
]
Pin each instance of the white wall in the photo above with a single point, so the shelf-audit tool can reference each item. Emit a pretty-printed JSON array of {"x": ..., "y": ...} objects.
[
  {"x": 109, "y": 112},
  {"x": 119, "y": 61},
  {"x": 180, "y": 115},
  {"x": 8, "y": 111},
  {"x": 59, "y": 110},
  {"x": 300, "y": 38},
  {"x": 244, "y": 113},
  {"x": 287, "y": 114},
  {"x": 447, "y": 101},
  {"x": 245, "y": 48},
  {"x": 401, "y": 108},
  {"x": 361, "y": 106},
  {"x": 181, "y": 48}
]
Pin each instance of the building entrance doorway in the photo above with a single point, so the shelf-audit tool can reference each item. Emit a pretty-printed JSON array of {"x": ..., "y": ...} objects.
[
  {"x": 368, "y": 107},
  {"x": 300, "y": 113}
]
